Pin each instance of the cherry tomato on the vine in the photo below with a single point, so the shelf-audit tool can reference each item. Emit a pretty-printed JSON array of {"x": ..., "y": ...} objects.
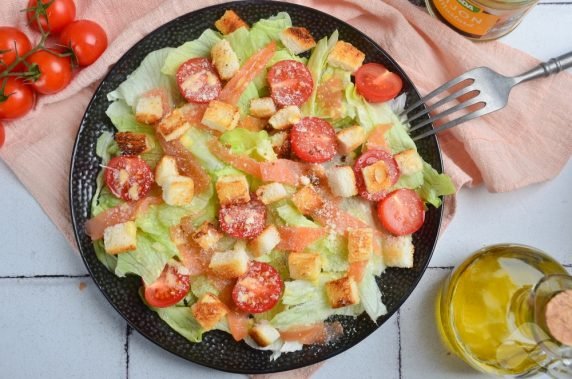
[
  {"x": 54, "y": 15},
  {"x": 86, "y": 38},
  {"x": 13, "y": 43},
  {"x": 55, "y": 71},
  {"x": 17, "y": 99}
]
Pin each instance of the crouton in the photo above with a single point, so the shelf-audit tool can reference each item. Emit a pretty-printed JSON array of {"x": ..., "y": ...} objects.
[
  {"x": 165, "y": 169},
  {"x": 360, "y": 244},
  {"x": 272, "y": 192},
  {"x": 132, "y": 143},
  {"x": 221, "y": 116},
  {"x": 297, "y": 40},
  {"x": 232, "y": 189},
  {"x": 263, "y": 107},
  {"x": 206, "y": 236},
  {"x": 281, "y": 144},
  {"x": 173, "y": 125},
  {"x": 253, "y": 124},
  {"x": 342, "y": 292},
  {"x": 178, "y": 190},
  {"x": 398, "y": 251},
  {"x": 120, "y": 238},
  {"x": 225, "y": 60},
  {"x": 208, "y": 311},
  {"x": 150, "y": 108},
  {"x": 264, "y": 334},
  {"x": 351, "y": 138},
  {"x": 304, "y": 266},
  {"x": 229, "y": 264},
  {"x": 307, "y": 200},
  {"x": 342, "y": 181},
  {"x": 285, "y": 117},
  {"x": 346, "y": 56},
  {"x": 376, "y": 177},
  {"x": 229, "y": 22},
  {"x": 265, "y": 242},
  {"x": 409, "y": 162}
]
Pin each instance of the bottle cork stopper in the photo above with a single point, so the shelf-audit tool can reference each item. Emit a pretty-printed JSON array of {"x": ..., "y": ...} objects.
[{"x": 559, "y": 317}]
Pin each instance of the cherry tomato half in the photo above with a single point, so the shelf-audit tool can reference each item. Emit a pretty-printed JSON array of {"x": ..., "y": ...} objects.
[
  {"x": 128, "y": 177},
  {"x": 86, "y": 38},
  {"x": 170, "y": 288},
  {"x": 17, "y": 100},
  {"x": 290, "y": 83},
  {"x": 376, "y": 83},
  {"x": 14, "y": 43},
  {"x": 313, "y": 140},
  {"x": 401, "y": 212},
  {"x": 259, "y": 289},
  {"x": 391, "y": 173},
  {"x": 198, "y": 81},
  {"x": 55, "y": 71},
  {"x": 59, "y": 14},
  {"x": 244, "y": 220}
]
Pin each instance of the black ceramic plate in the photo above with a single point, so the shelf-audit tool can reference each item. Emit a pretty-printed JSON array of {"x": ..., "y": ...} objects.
[{"x": 218, "y": 350}]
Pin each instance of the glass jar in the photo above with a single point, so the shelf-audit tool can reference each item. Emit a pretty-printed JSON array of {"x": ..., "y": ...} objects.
[
  {"x": 481, "y": 20},
  {"x": 507, "y": 310}
]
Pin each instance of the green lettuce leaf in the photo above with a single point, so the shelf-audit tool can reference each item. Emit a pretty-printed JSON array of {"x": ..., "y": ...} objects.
[
  {"x": 201, "y": 285},
  {"x": 196, "y": 141},
  {"x": 434, "y": 185},
  {"x": 333, "y": 252},
  {"x": 256, "y": 144},
  {"x": 299, "y": 291},
  {"x": 398, "y": 139},
  {"x": 201, "y": 47},
  {"x": 292, "y": 216},
  {"x": 182, "y": 321},
  {"x": 103, "y": 199},
  {"x": 370, "y": 295},
  {"x": 368, "y": 115},
  {"x": 108, "y": 260}
]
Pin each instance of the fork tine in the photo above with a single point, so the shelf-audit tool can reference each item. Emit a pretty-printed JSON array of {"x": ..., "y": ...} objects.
[
  {"x": 463, "y": 91},
  {"x": 444, "y": 87},
  {"x": 452, "y": 123},
  {"x": 458, "y": 107}
]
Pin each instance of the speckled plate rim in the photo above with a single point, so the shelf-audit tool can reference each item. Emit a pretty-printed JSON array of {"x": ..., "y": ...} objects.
[{"x": 77, "y": 231}]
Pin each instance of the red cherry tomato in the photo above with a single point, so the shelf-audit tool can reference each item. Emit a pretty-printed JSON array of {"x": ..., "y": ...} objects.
[
  {"x": 17, "y": 100},
  {"x": 2, "y": 135},
  {"x": 367, "y": 159},
  {"x": 170, "y": 288},
  {"x": 86, "y": 38},
  {"x": 376, "y": 83},
  {"x": 401, "y": 212},
  {"x": 55, "y": 71},
  {"x": 59, "y": 14},
  {"x": 290, "y": 83},
  {"x": 259, "y": 289},
  {"x": 14, "y": 43},
  {"x": 244, "y": 220},
  {"x": 198, "y": 81},
  {"x": 128, "y": 177},
  {"x": 313, "y": 140}
]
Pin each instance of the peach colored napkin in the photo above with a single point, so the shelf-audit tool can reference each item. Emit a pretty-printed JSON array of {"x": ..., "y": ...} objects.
[{"x": 528, "y": 142}]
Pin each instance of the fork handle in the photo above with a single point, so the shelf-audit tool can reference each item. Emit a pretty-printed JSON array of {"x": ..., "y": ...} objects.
[{"x": 552, "y": 66}]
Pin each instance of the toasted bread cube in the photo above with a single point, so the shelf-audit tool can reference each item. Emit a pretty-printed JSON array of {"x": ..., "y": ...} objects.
[
  {"x": 285, "y": 117},
  {"x": 342, "y": 292},
  {"x": 173, "y": 125},
  {"x": 263, "y": 107},
  {"x": 208, "y": 311},
  {"x": 221, "y": 116},
  {"x": 376, "y": 177},
  {"x": 272, "y": 192},
  {"x": 264, "y": 334},
  {"x": 232, "y": 189},
  {"x": 409, "y": 162},
  {"x": 229, "y": 22},
  {"x": 297, "y": 40},
  {"x": 165, "y": 169},
  {"x": 120, "y": 238},
  {"x": 346, "y": 56},
  {"x": 398, "y": 251},
  {"x": 253, "y": 124},
  {"x": 132, "y": 143},
  {"x": 149, "y": 108},
  {"x": 178, "y": 190},
  {"x": 351, "y": 138},
  {"x": 229, "y": 264},
  {"x": 360, "y": 244},
  {"x": 307, "y": 200},
  {"x": 265, "y": 242},
  {"x": 342, "y": 181},
  {"x": 206, "y": 236},
  {"x": 304, "y": 266},
  {"x": 225, "y": 59}
]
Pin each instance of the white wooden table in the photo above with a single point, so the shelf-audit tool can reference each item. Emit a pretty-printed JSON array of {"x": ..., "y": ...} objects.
[{"x": 53, "y": 327}]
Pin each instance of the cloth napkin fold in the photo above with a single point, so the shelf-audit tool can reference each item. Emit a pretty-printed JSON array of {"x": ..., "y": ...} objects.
[{"x": 527, "y": 142}]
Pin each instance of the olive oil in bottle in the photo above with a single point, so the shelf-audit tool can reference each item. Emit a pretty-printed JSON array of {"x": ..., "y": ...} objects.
[{"x": 500, "y": 312}]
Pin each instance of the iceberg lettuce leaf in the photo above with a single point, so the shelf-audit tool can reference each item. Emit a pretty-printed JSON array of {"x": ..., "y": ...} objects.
[{"x": 200, "y": 47}]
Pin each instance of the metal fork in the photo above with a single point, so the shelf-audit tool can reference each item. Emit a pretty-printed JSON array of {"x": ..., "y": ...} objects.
[{"x": 485, "y": 89}]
